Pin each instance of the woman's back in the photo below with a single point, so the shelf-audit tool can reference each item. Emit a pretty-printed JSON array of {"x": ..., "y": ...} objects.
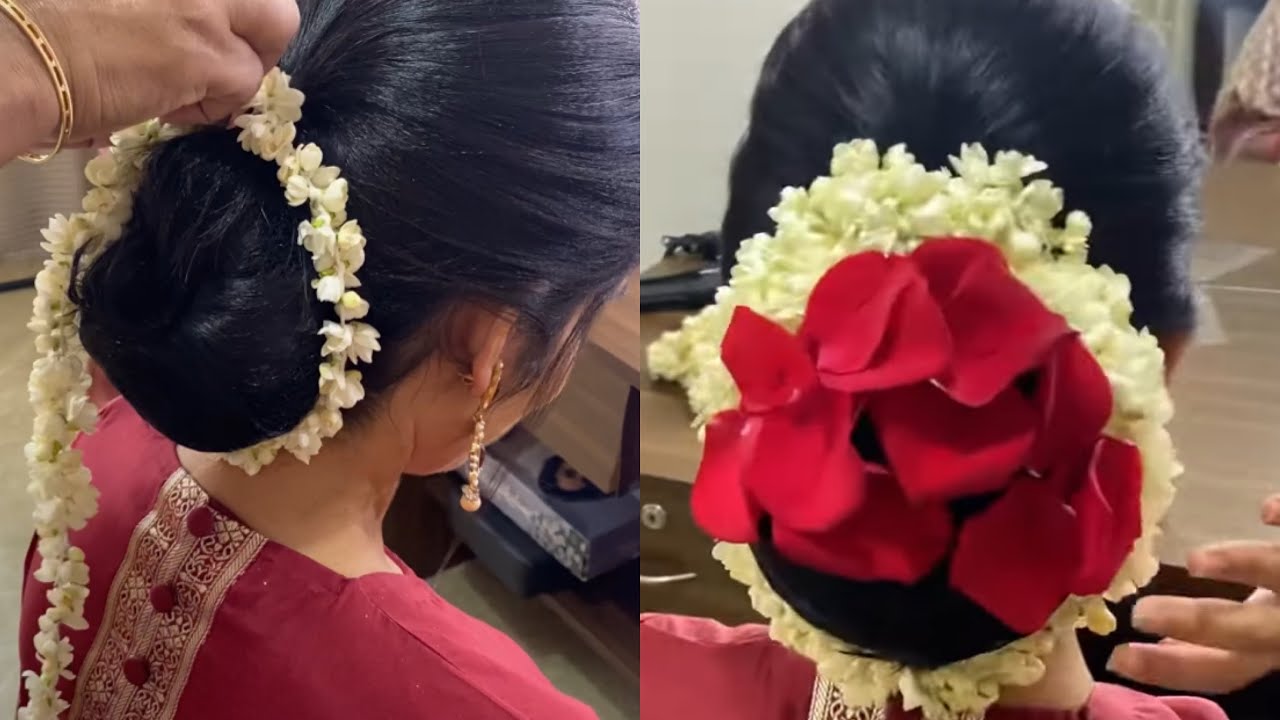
[{"x": 197, "y": 616}]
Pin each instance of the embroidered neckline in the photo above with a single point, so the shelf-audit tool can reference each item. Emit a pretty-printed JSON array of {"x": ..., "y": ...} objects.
[{"x": 146, "y": 646}]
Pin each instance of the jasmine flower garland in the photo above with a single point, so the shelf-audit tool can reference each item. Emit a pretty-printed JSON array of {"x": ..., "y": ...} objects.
[
  {"x": 888, "y": 203},
  {"x": 60, "y": 484}
]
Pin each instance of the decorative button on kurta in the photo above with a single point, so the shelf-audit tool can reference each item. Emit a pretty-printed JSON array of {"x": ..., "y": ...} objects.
[
  {"x": 137, "y": 671},
  {"x": 163, "y": 598},
  {"x": 200, "y": 521}
]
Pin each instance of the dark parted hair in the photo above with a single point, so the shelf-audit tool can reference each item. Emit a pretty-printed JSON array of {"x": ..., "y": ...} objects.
[
  {"x": 1081, "y": 84},
  {"x": 1084, "y": 86},
  {"x": 492, "y": 149}
]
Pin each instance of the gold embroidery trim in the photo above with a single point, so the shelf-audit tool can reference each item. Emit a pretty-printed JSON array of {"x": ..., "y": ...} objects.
[
  {"x": 200, "y": 569},
  {"x": 827, "y": 704}
]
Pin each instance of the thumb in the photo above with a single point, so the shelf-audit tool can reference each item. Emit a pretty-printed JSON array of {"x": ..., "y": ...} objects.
[
  {"x": 263, "y": 29},
  {"x": 266, "y": 26}
]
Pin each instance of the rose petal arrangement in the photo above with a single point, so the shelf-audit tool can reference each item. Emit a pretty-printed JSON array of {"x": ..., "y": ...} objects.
[
  {"x": 60, "y": 484},
  {"x": 910, "y": 338},
  {"x": 927, "y": 349}
]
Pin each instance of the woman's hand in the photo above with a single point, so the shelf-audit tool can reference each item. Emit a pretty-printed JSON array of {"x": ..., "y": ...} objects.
[
  {"x": 194, "y": 61},
  {"x": 1213, "y": 646}
]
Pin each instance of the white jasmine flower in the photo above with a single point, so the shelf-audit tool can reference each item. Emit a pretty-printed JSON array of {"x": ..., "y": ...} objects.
[
  {"x": 64, "y": 236},
  {"x": 352, "y": 306},
  {"x": 323, "y": 177},
  {"x": 334, "y": 197},
  {"x": 54, "y": 279},
  {"x": 297, "y": 190},
  {"x": 330, "y": 288},
  {"x": 277, "y": 142},
  {"x": 82, "y": 415},
  {"x": 103, "y": 171},
  {"x": 364, "y": 343},
  {"x": 337, "y": 338},
  {"x": 309, "y": 158},
  {"x": 350, "y": 238},
  {"x": 344, "y": 388},
  {"x": 321, "y": 242}
]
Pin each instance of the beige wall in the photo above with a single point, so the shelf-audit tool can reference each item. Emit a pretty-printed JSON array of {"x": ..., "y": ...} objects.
[
  {"x": 700, "y": 59},
  {"x": 1175, "y": 21}
]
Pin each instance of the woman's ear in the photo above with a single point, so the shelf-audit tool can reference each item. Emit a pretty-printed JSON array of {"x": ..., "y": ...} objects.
[{"x": 489, "y": 336}]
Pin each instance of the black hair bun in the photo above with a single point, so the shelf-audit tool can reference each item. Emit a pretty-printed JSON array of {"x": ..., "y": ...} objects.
[
  {"x": 493, "y": 154},
  {"x": 201, "y": 314},
  {"x": 925, "y": 625}
]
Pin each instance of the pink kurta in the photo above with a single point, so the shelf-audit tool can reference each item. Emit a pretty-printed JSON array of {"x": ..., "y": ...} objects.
[
  {"x": 697, "y": 668},
  {"x": 194, "y": 615}
]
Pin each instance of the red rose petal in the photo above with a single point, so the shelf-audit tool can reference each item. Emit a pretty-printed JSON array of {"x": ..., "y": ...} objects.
[
  {"x": 950, "y": 263},
  {"x": 1096, "y": 522},
  {"x": 769, "y": 364},
  {"x": 941, "y": 450},
  {"x": 1073, "y": 397},
  {"x": 999, "y": 327},
  {"x": 888, "y": 539},
  {"x": 719, "y": 499},
  {"x": 872, "y": 324},
  {"x": 1017, "y": 558},
  {"x": 848, "y": 310},
  {"x": 1109, "y": 506},
  {"x": 804, "y": 471}
]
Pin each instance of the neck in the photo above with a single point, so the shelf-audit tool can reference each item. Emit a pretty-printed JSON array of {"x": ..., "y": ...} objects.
[
  {"x": 1067, "y": 682},
  {"x": 330, "y": 510}
]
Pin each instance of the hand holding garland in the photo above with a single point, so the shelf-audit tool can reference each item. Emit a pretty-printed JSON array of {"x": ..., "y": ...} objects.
[{"x": 190, "y": 61}]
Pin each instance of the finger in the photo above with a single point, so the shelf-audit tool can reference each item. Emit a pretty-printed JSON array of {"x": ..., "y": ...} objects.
[
  {"x": 189, "y": 115},
  {"x": 1252, "y": 563},
  {"x": 1211, "y": 622},
  {"x": 232, "y": 85},
  {"x": 268, "y": 26},
  {"x": 1187, "y": 668},
  {"x": 1271, "y": 510}
]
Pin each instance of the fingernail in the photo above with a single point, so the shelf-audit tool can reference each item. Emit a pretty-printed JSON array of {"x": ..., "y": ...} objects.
[
  {"x": 1271, "y": 510},
  {"x": 1120, "y": 660},
  {"x": 1141, "y": 617},
  {"x": 1202, "y": 564}
]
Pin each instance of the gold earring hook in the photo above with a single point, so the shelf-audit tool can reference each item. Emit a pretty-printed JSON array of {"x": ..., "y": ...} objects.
[{"x": 471, "y": 501}]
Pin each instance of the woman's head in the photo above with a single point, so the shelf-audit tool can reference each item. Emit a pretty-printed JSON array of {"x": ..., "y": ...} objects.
[
  {"x": 1076, "y": 83},
  {"x": 1079, "y": 84},
  {"x": 492, "y": 150}
]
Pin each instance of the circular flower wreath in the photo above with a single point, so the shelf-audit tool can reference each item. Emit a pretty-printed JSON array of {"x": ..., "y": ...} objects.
[
  {"x": 952, "y": 317},
  {"x": 60, "y": 483}
]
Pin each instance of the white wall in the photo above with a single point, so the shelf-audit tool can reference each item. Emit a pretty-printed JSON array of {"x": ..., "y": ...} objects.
[{"x": 699, "y": 61}]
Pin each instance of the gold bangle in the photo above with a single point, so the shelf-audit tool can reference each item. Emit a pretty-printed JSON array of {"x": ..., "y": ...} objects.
[{"x": 59, "y": 76}]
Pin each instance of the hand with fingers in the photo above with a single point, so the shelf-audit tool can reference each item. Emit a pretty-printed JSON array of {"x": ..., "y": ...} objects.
[
  {"x": 1213, "y": 646},
  {"x": 124, "y": 61}
]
